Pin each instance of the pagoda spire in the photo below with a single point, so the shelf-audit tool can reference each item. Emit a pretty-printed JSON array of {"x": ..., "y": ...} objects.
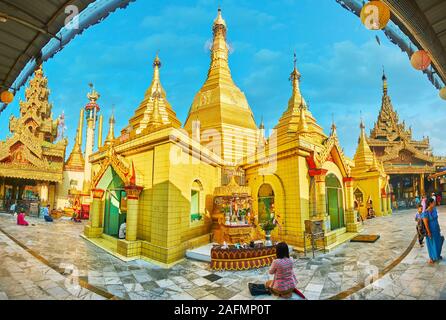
[
  {"x": 155, "y": 105},
  {"x": 155, "y": 117},
  {"x": 262, "y": 124},
  {"x": 334, "y": 131},
  {"x": 296, "y": 101},
  {"x": 385, "y": 85},
  {"x": 303, "y": 126},
  {"x": 220, "y": 50},
  {"x": 297, "y": 119},
  {"x": 364, "y": 157},
  {"x": 111, "y": 131}
]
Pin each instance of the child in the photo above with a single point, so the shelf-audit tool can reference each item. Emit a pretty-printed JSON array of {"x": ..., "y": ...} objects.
[{"x": 420, "y": 229}]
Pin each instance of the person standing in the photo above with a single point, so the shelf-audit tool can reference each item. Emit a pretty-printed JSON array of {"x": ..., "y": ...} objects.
[
  {"x": 421, "y": 231},
  {"x": 438, "y": 199},
  {"x": 434, "y": 240},
  {"x": 424, "y": 202}
]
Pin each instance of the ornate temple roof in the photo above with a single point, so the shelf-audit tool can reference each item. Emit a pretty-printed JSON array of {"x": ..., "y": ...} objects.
[
  {"x": 220, "y": 102},
  {"x": 154, "y": 111},
  {"x": 31, "y": 152},
  {"x": 388, "y": 126},
  {"x": 393, "y": 144}
]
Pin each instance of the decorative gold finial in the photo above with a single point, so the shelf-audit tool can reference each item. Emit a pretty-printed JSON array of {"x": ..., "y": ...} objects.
[
  {"x": 333, "y": 126},
  {"x": 384, "y": 78},
  {"x": 219, "y": 20},
  {"x": 295, "y": 75},
  {"x": 157, "y": 61},
  {"x": 93, "y": 96},
  {"x": 39, "y": 70}
]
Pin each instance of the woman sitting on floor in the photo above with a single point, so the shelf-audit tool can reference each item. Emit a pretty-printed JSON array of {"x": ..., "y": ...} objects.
[
  {"x": 284, "y": 281},
  {"x": 21, "y": 218}
]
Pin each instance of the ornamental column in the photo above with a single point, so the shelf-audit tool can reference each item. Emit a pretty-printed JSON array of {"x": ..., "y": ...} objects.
[
  {"x": 91, "y": 110},
  {"x": 321, "y": 200},
  {"x": 133, "y": 193},
  {"x": 422, "y": 191},
  {"x": 95, "y": 212},
  {"x": 352, "y": 224}
]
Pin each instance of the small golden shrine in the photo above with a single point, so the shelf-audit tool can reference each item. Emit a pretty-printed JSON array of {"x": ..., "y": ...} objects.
[{"x": 233, "y": 219}]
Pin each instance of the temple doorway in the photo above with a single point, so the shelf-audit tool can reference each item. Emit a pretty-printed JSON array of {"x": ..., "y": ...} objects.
[
  {"x": 115, "y": 206},
  {"x": 335, "y": 208},
  {"x": 114, "y": 211},
  {"x": 265, "y": 202}
]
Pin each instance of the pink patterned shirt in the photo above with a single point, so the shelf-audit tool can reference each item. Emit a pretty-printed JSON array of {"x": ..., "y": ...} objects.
[{"x": 284, "y": 278}]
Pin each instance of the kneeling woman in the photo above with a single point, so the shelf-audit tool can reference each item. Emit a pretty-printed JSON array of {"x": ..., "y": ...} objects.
[{"x": 284, "y": 281}]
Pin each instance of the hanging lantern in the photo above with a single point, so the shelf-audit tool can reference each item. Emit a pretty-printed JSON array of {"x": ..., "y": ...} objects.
[
  {"x": 420, "y": 60},
  {"x": 375, "y": 15},
  {"x": 443, "y": 93},
  {"x": 7, "y": 97}
]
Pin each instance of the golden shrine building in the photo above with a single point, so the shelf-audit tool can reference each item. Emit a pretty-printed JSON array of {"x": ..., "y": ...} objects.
[{"x": 217, "y": 179}]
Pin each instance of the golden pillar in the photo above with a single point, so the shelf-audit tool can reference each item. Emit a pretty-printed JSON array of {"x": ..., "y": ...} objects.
[
  {"x": 133, "y": 193},
  {"x": 101, "y": 120},
  {"x": 321, "y": 201},
  {"x": 95, "y": 214},
  {"x": 350, "y": 215},
  {"x": 422, "y": 191},
  {"x": 94, "y": 228}
]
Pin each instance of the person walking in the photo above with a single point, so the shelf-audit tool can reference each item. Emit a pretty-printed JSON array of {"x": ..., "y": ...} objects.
[
  {"x": 421, "y": 230},
  {"x": 434, "y": 240}
]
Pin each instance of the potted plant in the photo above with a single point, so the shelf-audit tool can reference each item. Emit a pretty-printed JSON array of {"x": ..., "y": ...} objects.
[
  {"x": 226, "y": 210},
  {"x": 269, "y": 225},
  {"x": 243, "y": 216}
]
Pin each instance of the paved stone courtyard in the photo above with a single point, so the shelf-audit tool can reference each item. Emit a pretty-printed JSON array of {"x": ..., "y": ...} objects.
[{"x": 51, "y": 261}]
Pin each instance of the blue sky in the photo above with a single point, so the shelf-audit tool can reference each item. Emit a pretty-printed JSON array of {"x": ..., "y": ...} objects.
[{"x": 340, "y": 61}]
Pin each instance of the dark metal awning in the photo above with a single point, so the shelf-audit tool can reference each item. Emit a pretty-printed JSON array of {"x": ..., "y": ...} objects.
[
  {"x": 26, "y": 26},
  {"x": 32, "y": 31}
]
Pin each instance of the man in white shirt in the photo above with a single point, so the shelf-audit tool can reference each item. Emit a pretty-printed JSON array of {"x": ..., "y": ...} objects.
[{"x": 122, "y": 230}]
